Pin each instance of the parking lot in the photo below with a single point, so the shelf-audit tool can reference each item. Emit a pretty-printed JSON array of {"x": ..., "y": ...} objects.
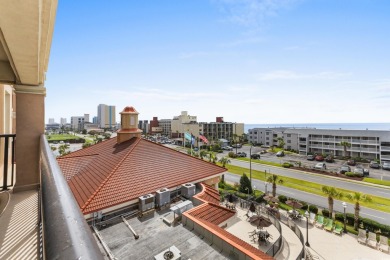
[{"x": 335, "y": 166}]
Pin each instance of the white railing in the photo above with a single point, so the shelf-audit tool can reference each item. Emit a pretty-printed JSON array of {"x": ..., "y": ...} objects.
[{"x": 385, "y": 148}]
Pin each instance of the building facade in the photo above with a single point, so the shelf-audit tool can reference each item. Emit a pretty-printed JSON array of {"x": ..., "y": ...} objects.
[
  {"x": 368, "y": 144},
  {"x": 106, "y": 116},
  {"x": 221, "y": 130},
  {"x": 77, "y": 122},
  {"x": 62, "y": 121},
  {"x": 165, "y": 125}
]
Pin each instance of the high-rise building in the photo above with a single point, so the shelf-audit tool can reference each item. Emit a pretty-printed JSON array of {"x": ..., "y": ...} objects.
[
  {"x": 62, "y": 121},
  {"x": 51, "y": 120},
  {"x": 94, "y": 120},
  {"x": 106, "y": 116}
]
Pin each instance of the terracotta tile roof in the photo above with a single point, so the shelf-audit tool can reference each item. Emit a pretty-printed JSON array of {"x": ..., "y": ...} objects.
[
  {"x": 209, "y": 215},
  {"x": 212, "y": 213},
  {"x": 108, "y": 174},
  {"x": 129, "y": 110},
  {"x": 208, "y": 194},
  {"x": 241, "y": 245}
]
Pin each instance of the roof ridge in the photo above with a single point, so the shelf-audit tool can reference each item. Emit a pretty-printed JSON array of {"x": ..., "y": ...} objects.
[
  {"x": 77, "y": 156},
  {"x": 109, "y": 175}
]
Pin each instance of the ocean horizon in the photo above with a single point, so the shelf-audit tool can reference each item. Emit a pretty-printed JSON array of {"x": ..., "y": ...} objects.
[{"x": 345, "y": 126}]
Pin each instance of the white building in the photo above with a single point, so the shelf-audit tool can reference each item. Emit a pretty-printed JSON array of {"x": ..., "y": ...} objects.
[
  {"x": 368, "y": 144},
  {"x": 62, "y": 121},
  {"x": 106, "y": 117}
]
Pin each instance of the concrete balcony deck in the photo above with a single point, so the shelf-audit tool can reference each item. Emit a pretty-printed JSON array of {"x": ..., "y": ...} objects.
[{"x": 19, "y": 231}]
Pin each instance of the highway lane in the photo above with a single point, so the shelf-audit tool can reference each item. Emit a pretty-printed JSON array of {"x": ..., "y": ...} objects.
[
  {"x": 317, "y": 178},
  {"x": 322, "y": 202}
]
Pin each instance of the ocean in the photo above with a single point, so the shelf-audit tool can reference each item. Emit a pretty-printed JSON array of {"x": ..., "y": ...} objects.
[{"x": 346, "y": 126}]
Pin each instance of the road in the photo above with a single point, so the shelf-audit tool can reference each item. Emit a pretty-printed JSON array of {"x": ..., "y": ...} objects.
[
  {"x": 374, "y": 173},
  {"x": 317, "y": 178},
  {"x": 319, "y": 201}
]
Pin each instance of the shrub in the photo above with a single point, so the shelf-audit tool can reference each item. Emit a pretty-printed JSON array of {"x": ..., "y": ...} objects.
[
  {"x": 282, "y": 198},
  {"x": 221, "y": 185},
  {"x": 352, "y": 174},
  {"x": 232, "y": 155},
  {"x": 287, "y": 165},
  {"x": 313, "y": 209},
  {"x": 325, "y": 213}
]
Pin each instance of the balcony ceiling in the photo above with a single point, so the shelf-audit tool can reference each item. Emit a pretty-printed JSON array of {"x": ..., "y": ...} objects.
[{"x": 26, "y": 30}]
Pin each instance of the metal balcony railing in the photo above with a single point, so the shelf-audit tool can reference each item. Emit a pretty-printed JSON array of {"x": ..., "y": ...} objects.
[
  {"x": 66, "y": 234},
  {"x": 7, "y": 143}
]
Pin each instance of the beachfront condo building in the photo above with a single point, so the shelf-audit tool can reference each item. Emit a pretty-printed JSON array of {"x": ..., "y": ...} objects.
[
  {"x": 106, "y": 116},
  {"x": 367, "y": 144}
]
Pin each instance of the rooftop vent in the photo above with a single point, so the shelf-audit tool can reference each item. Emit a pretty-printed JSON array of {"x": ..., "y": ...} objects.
[{"x": 172, "y": 253}]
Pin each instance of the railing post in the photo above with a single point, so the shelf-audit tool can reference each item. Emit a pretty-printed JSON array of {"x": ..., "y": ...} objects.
[{"x": 5, "y": 169}]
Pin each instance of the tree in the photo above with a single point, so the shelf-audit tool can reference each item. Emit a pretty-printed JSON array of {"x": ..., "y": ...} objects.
[
  {"x": 62, "y": 149},
  {"x": 332, "y": 194},
  {"x": 86, "y": 144},
  {"x": 345, "y": 145},
  {"x": 357, "y": 197},
  {"x": 202, "y": 154},
  {"x": 274, "y": 179},
  {"x": 224, "y": 161},
  {"x": 53, "y": 148},
  {"x": 84, "y": 132},
  {"x": 281, "y": 142},
  {"x": 245, "y": 184},
  {"x": 212, "y": 157}
]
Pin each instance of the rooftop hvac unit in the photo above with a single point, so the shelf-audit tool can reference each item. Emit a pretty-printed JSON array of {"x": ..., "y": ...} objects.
[
  {"x": 188, "y": 190},
  {"x": 163, "y": 197},
  {"x": 146, "y": 202}
]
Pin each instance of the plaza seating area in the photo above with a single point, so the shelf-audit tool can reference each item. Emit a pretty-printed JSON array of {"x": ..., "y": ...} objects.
[{"x": 370, "y": 239}]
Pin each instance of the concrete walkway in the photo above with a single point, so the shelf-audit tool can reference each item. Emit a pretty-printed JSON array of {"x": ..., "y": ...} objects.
[
  {"x": 327, "y": 245},
  {"x": 18, "y": 227}
]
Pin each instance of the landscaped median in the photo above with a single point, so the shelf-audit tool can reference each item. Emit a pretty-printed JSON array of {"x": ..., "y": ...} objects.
[{"x": 377, "y": 203}]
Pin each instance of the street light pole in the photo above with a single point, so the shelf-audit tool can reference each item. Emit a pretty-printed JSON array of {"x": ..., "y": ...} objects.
[
  {"x": 265, "y": 184},
  {"x": 250, "y": 164},
  {"x": 345, "y": 217},
  {"x": 307, "y": 228}
]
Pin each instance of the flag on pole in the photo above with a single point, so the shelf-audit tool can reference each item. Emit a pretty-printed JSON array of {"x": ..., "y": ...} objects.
[
  {"x": 187, "y": 136},
  {"x": 192, "y": 140},
  {"x": 203, "y": 138}
]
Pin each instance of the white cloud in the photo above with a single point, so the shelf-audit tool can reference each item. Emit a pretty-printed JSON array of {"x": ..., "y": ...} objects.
[
  {"x": 291, "y": 75},
  {"x": 251, "y": 13}
]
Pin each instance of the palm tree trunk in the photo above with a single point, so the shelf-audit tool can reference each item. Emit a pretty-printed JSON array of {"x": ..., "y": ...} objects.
[
  {"x": 223, "y": 178},
  {"x": 274, "y": 189},
  {"x": 330, "y": 200},
  {"x": 357, "y": 209}
]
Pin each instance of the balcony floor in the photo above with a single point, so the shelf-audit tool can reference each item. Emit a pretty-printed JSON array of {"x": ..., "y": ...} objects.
[{"x": 19, "y": 227}]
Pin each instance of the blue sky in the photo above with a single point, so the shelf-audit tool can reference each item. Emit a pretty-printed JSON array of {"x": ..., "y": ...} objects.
[{"x": 251, "y": 61}]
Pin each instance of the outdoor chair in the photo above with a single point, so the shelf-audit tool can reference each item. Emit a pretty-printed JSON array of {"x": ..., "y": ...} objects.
[
  {"x": 312, "y": 218},
  {"x": 329, "y": 225},
  {"x": 338, "y": 229},
  {"x": 383, "y": 244},
  {"x": 362, "y": 238},
  {"x": 320, "y": 221},
  {"x": 371, "y": 240}
]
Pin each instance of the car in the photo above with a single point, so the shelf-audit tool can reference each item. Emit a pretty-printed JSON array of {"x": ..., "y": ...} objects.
[
  {"x": 310, "y": 157},
  {"x": 351, "y": 162},
  {"x": 386, "y": 166},
  {"x": 319, "y": 158},
  {"x": 345, "y": 168},
  {"x": 359, "y": 171},
  {"x": 366, "y": 172},
  {"x": 241, "y": 154},
  {"x": 236, "y": 145},
  {"x": 280, "y": 154},
  {"x": 227, "y": 148},
  {"x": 255, "y": 156},
  {"x": 196, "y": 149},
  {"x": 374, "y": 165},
  {"x": 263, "y": 151},
  {"x": 329, "y": 159},
  {"x": 320, "y": 166}
]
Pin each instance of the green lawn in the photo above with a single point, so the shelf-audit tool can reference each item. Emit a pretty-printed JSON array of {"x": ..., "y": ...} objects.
[
  {"x": 378, "y": 203},
  {"x": 259, "y": 161},
  {"x": 376, "y": 181},
  {"x": 63, "y": 137}
]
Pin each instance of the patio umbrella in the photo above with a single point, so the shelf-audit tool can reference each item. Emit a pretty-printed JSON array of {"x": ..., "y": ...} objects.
[
  {"x": 271, "y": 198},
  {"x": 295, "y": 204},
  {"x": 260, "y": 221}
]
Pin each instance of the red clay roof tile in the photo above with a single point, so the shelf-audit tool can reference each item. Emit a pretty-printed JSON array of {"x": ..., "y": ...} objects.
[{"x": 116, "y": 173}]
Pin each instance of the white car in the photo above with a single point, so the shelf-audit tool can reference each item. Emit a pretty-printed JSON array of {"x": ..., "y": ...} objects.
[{"x": 320, "y": 166}]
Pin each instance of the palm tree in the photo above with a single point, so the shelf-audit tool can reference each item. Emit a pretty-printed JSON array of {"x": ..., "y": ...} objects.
[
  {"x": 202, "y": 154},
  {"x": 345, "y": 145},
  {"x": 332, "y": 194},
  {"x": 274, "y": 179},
  {"x": 224, "y": 161},
  {"x": 357, "y": 197}
]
